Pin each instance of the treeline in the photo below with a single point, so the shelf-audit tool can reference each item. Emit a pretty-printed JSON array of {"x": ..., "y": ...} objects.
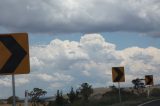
[{"x": 81, "y": 94}]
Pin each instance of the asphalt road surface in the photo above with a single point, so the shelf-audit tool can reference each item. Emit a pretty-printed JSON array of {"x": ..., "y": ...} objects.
[{"x": 151, "y": 103}]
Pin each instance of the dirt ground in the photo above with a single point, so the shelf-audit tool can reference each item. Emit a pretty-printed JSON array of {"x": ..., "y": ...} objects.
[{"x": 17, "y": 104}]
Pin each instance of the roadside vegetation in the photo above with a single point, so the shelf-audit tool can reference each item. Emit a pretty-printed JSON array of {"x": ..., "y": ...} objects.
[
  {"x": 110, "y": 98},
  {"x": 130, "y": 97},
  {"x": 83, "y": 96},
  {"x": 10, "y": 99}
]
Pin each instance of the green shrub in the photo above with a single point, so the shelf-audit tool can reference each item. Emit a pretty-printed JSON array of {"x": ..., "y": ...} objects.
[
  {"x": 10, "y": 99},
  {"x": 125, "y": 95}
]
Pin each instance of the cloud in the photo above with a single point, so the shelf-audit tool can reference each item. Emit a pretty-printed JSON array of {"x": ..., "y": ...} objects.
[
  {"x": 21, "y": 81},
  {"x": 54, "y": 77},
  {"x": 57, "y": 85},
  {"x": 139, "y": 62},
  {"x": 91, "y": 59},
  {"x": 63, "y": 63},
  {"x": 7, "y": 82},
  {"x": 45, "y": 77},
  {"x": 80, "y": 16}
]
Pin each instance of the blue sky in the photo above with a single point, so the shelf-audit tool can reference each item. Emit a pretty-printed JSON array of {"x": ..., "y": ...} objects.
[
  {"x": 80, "y": 41},
  {"x": 121, "y": 39}
]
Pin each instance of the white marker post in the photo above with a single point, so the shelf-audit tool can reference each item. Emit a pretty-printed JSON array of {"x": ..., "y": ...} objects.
[{"x": 26, "y": 98}]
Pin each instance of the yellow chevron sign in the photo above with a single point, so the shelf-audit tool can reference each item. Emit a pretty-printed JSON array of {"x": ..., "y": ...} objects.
[
  {"x": 14, "y": 53},
  {"x": 118, "y": 74},
  {"x": 149, "y": 79}
]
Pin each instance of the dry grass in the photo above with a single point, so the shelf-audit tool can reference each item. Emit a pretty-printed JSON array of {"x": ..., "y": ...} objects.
[{"x": 17, "y": 104}]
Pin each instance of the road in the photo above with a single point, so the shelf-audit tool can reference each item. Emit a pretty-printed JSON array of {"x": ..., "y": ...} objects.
[{"x": 151, "y": 103}]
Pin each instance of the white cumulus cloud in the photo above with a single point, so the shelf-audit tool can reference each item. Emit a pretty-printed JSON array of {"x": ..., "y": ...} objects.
[{"x": 91, "y": 59}]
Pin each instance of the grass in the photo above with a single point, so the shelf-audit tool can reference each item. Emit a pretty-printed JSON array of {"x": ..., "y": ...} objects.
[{"x": 111, "y": 99}]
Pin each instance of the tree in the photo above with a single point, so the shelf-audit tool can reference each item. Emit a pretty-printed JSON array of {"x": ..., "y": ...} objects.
[
  {"x": 59, "y": 98},
  {"x": 113, "y": 87},
  {"x": 73, "y": 95},
  {"x": 138, "y": 85},
  {"x": 10, "y": 99},
  {"x": 86, "y": 90},
  {"x": 35, "y": 95}
]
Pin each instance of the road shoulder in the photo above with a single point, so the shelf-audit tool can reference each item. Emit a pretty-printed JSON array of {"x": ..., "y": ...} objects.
[{"x": 148, "y": 102}]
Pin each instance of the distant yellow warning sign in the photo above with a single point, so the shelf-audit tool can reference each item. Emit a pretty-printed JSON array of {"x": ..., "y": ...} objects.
[{"x": 149, "y": 79}]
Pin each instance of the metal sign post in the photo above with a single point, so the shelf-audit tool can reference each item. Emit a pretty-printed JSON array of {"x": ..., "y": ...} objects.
[
  {"x": 119, "y": 92},
  {"x": 148, "y": 91},
  {"x": 13, "y": 88}
]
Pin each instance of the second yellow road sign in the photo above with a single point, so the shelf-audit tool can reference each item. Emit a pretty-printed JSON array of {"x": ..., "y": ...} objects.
[{"x": 118, "y": 74}]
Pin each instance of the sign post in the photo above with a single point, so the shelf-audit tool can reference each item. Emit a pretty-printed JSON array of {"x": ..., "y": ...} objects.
[
  {"x": 14, "y": 53},
  {"x": 119, "y": 92},
  {"x": 149, "y": 82},
  {"x": 118, "y": 76},
  {"x": 13, "y": 88}
]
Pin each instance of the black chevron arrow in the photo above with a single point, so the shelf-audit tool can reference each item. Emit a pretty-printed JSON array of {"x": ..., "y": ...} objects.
[
  {"x": 120, "y": 74},
  {"x": 17, "y": 54}
]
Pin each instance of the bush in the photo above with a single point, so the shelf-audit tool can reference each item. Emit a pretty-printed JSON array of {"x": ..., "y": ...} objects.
[
  {"x": 112, "y": 96},
  {"x": 52, "y": 103},
  {"x": 10, "y": 99}
]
